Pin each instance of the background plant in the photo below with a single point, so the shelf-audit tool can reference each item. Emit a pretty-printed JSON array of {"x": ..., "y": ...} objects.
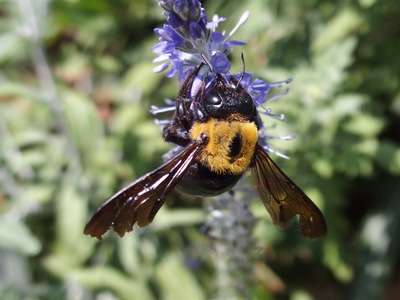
[{"x": 76, "y": 84}]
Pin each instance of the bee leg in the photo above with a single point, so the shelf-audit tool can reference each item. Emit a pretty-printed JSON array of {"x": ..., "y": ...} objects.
[
  {"x": 175, "y": 133},
  {"x": 183, "y": 115},
  {"x": 198, "y": 112}
]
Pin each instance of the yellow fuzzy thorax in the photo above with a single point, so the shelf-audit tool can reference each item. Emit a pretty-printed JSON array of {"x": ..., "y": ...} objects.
[{"x": 221, "y": 133}]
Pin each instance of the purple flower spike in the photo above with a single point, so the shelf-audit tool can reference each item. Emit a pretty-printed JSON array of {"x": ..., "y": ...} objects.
[
  {"x": 189, "y": 36},
  {"x": 189, "y": 39}
]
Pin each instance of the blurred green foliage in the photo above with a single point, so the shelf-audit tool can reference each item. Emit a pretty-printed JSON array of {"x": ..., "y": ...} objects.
[{"x": 76, "y": 84}]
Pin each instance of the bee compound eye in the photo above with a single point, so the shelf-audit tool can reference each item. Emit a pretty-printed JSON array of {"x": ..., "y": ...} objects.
[{"x": 213, "y": 98}]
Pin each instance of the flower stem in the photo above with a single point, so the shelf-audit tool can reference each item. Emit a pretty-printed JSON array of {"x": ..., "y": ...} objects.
[{"x": 230, "y": 225}]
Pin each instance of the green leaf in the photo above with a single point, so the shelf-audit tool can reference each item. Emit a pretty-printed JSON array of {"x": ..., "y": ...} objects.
[
  {"x": 332, "y": 258},
  {"x": 105, "y": 278},
  {"x": 365, "y": 125},
  {"x": 388, "y": 157},
  {"x": 176, "y": 281},
  {"x": 15, "y": 235},
  {"x": 338, "y": 28},
  {"x": 72, "y": 246},
  {"x": 84, "y": 124},
  {"x": 13, "y": 46},
  {"x": 168, "y": 218}
]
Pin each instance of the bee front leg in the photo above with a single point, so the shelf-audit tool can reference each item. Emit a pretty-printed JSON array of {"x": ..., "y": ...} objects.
[{"x": 175, "y": 133}]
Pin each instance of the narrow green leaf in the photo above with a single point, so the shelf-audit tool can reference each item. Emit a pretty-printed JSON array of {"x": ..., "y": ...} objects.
[{"x": 15, "y": 235}]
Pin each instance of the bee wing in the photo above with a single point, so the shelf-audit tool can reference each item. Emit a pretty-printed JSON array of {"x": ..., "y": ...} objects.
[
  {"x": 140, "y": 201},
  {"x": 284, "y": 199}
]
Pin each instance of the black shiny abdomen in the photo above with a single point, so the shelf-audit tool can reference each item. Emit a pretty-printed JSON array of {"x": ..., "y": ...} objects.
[{"x": 200, "y": 181}]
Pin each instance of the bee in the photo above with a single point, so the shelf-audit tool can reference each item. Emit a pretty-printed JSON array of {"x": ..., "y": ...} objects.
[{"x": 215, "y": 128}]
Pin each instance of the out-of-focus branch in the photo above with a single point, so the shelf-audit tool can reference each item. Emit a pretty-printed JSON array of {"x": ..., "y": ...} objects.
[{"x": 32, "y": 30}]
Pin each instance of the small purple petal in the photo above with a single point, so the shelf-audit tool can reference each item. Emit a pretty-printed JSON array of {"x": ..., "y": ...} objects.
[
  {"x": 177, "y": 66},
  {"x": 159, "y": 47},
  {"x": 196, "y": 86},
  {"x": 217, "y": 37},
  {"x": 194, "y": 10},
  {"x": 169, "y": 48},
  {"x": 203, "y": 20},
  {"x": 160, "y": 68},
  {"x": 161, "y": 58},
  {"x": 246, "y": 80},
  {"x": 260, "y": 86},
  {"x": 167, "y": 33},
  {"x": 234, "y": 43},
  {"x": 195, "y": 30},
  {"x": 259, "y": 90},
  {"x": 171, "y": 72},
  {"x": 181, "y": 7},
  {"x": 215, "y": 21},
  {"x": 194, "y": 4},
  {"x": 220, "y": 63},
  {"x": 174, "y": 20},
  {"x": 167, "y": 5},
  {"x": 160, "y": 32},
  {"x": 176, "y": 38},
  {"x": 164, "y": 34}
]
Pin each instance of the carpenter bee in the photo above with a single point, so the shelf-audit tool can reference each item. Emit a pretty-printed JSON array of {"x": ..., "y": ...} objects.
[{"x": 215, "y": 127}]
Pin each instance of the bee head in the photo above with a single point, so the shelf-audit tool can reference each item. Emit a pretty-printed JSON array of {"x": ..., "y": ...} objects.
[{"x": 224, "y": 99}]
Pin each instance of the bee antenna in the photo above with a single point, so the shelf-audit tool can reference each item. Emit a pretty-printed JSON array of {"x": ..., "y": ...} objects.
[
  {"x": 243, "y": 70},
  {"x": 208, "y": 63}
]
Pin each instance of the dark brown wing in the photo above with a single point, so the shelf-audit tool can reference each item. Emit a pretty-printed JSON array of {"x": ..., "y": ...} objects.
[
  {"x": 284, "y": 199},
  {"x": 140, "y": 201}
]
